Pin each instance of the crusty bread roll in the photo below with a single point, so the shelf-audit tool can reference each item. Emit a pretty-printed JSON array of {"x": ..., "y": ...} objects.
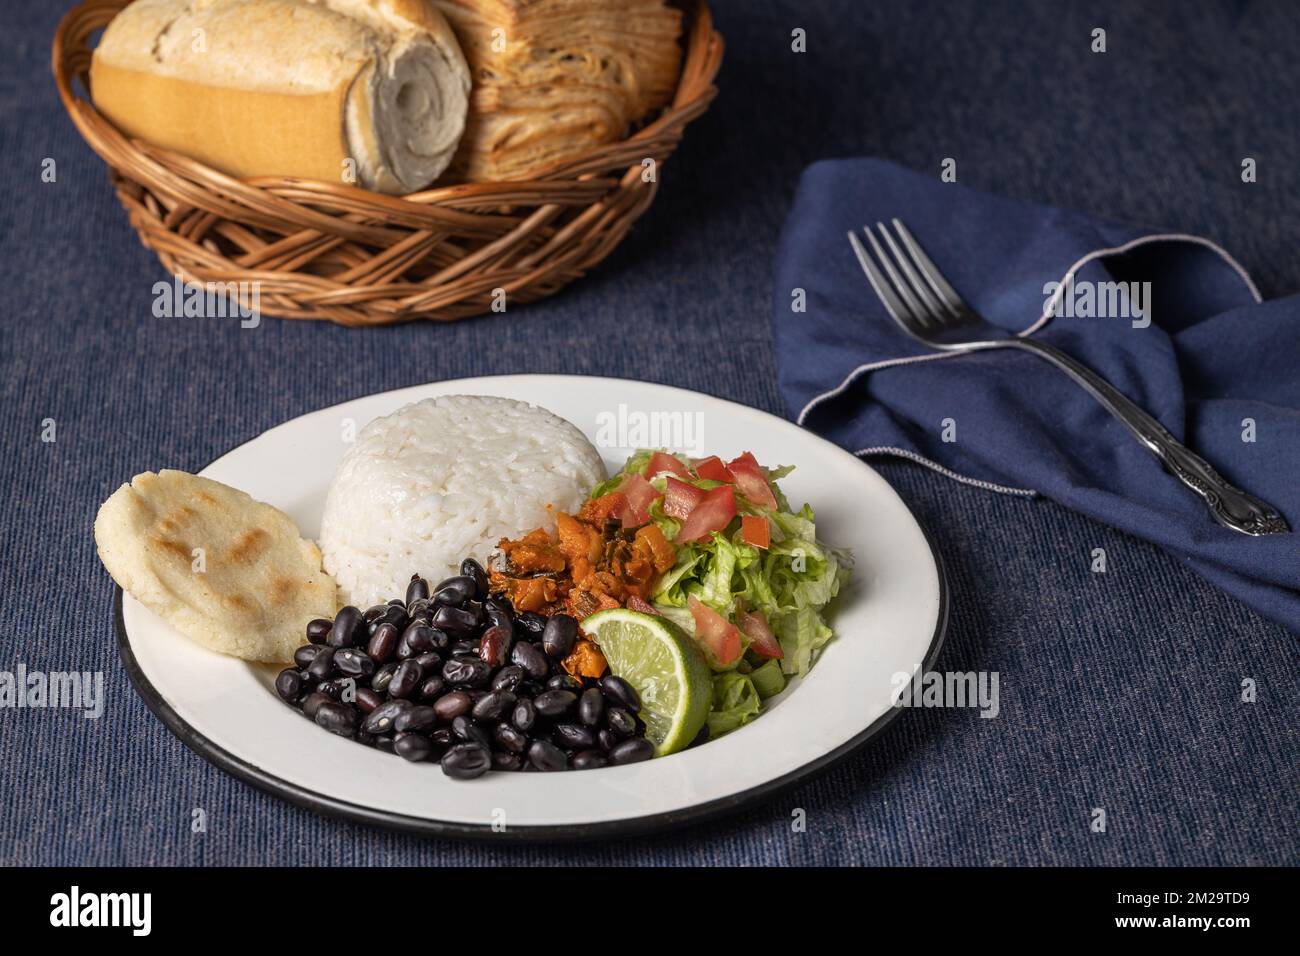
[
  {"x": 553, "y": 78},
  {"x": 290, "y": 87}
]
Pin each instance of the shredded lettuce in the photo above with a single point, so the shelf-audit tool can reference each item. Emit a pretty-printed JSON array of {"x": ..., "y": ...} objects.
[
  {"x": 735, "y": 702},
  {"x": 768, "y": 679}
]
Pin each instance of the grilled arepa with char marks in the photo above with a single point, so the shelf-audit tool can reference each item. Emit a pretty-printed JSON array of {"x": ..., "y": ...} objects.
[{"x": 229, "y": 572}]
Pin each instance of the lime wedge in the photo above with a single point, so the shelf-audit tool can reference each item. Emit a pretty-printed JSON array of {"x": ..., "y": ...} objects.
[{"x": 665, "y": 668}]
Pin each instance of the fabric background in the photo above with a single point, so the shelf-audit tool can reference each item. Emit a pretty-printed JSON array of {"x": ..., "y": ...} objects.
[{"x": 1118, "y": 691}]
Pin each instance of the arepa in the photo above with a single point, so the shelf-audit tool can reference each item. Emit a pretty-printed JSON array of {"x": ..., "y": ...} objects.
[{"x": 227, "y": 571}]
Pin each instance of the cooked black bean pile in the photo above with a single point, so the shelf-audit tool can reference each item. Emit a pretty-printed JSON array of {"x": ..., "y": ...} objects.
[{"x": 456, "y": 676}]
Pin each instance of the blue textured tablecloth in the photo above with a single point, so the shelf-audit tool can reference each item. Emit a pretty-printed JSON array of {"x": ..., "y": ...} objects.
[{"x": 1119, "y": 690}]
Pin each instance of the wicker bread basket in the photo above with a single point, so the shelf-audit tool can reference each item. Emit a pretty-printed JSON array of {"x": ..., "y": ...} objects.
[{"x": 320, "y": 250}]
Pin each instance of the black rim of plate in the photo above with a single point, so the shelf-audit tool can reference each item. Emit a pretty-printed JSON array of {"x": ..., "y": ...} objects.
[{"x": 630, "y": 827}]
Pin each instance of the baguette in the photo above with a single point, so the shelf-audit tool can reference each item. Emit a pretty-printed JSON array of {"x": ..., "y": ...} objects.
[{"x": 364, "y": 92}]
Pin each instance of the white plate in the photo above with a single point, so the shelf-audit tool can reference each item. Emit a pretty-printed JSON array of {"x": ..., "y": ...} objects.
[{"x": 890, "y": 620}]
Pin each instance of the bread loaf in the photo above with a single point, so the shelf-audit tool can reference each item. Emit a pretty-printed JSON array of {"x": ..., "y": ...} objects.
[
  {"x": 365, "y": 92},
  {"x": 553, "y": 78}
]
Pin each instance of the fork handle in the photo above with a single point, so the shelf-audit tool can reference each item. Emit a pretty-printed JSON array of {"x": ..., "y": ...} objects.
[{"x": 1230, "y": 506}]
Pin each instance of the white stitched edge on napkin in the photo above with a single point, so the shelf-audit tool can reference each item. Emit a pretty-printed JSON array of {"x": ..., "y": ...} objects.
[{"x": 946, "y": 472}]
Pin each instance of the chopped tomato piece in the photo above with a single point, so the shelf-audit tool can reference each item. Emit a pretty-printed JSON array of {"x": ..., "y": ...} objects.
[
  {"x": 661, "y": 463},
  {"x": 751, "y": 481},
  {"x": 761, "y": 639},
  {"x": 681, "y": 498},
  {"x": 713, "y": 469},
  {"x": 635, "y": 603},
  {"x": 715, "y": 633},
  {"x": 713, "y": 513},
  {"x": 755, "y": 530},
  {"x": 637, "y": 495}
]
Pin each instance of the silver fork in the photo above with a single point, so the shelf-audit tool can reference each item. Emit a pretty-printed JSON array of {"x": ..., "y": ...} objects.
[{"x": 927, "y": 308}]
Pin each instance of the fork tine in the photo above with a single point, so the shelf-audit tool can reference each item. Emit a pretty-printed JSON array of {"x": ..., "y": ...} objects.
[
  {"x": 946, "y": 293},
  {"x": 919, "y": 312},
  {"x": 934, "y": 309},
  {"x": 896, "y": 307}
]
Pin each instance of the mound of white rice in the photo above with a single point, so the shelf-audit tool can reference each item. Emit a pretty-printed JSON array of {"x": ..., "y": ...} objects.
[{"x": 443, "y": 479}]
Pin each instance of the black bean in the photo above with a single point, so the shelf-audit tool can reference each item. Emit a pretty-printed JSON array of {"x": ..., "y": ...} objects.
[
  {"x": 632, "y": 751},
  {"x": 385, "y": 744},
  {"x": 528, "y": 657},
  {"x": 382, "y": 719},
  {"x": 354, "y": 662},
  {"x": 508, "y": 738},
  {"x": 288, "y": 684},
  {"x": 464, "y": 649},
  {"x": 701, "y": 737},
  {"x": 431, "y": 689},
  {"x": 443, "y": 737},
  {"x": 506, "y": 761},
  {"x": 508, "y": 678},
  {"x": 524, "y": 715},
  {"x": 330, "y": 688},
  {"x": 553, "y": 703},
  {"x": 418, "y": 608},
  {"x": 418, "y": 718},
  {"x": 574, "y": 736},
  {"x": 419, "y": 638},
  {"x": 452, "y": 592},
  {"x": 304, "y": 655},
  {"x": 620, "y": 692},
  {"x": 312, "y": 702},
  {"x": 564, "y": 682},
  {"x": 405, "y": 679},
  {"x": 588, "y": 760},
  {"x": 417, "y": 590},
  {"x": 532, "y": 622},
  {"x": 591, "y": 706},
  {"x": 470, "y": 732},
  {"x": 349, "y": 625},
  {"x": 494, "y": 645},
  {"x": 620, "y": 721},
  {"x": 493, "y": 705},
  {"x": 374, "y": 613},
  {"x": 457, "y": 623},
  {"x": 365, "y": 739},
  {"x": 338, "y": 719},
  {"x": 323, "y": 665},
  {"x": 396, "y": 616},
  {"x": 368, "y": 700},
  {"x": 607, "y": 739},
  {"x": 318, "y": 630},
  {"x": 413, "y": 747},
  {"x": 475, "y": 610},
  {"x": 383, "y": 643},
  {"x": 559, "y": 635},
  {"x": 452, "y": 705},
  {"x": 498, "y": 613},
  {"x": 529, "y": 688},
  {"x": 466, "y": 761},
  {"x": 379, "y": 683},
  {"x": 467, "y": 671},
  {"x": 469, "y": 568},
  {"x": 546, "y": 756}
]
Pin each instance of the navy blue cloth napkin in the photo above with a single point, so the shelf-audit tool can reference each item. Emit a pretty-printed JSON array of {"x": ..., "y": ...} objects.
[{"x": 1196, "y": 348}]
